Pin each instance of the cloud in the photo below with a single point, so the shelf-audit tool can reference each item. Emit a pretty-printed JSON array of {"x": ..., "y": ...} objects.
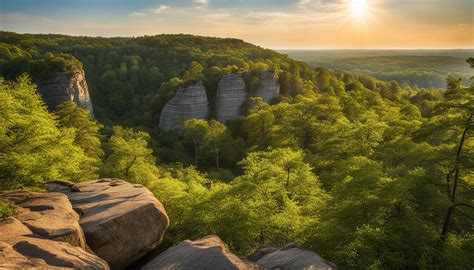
[
  {"x": 158, "y": 10},
  {"x": 202, "y": 2}
]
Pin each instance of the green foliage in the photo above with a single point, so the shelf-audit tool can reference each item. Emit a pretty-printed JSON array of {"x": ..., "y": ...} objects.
[
  {"x": 7, "y": 209},
  {"x": 130, "y": 158},
  {"x": 33, "y": 149},
  {"x": 87, "y": 130}
]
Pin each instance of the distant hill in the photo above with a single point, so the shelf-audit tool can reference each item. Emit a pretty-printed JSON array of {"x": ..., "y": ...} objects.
[{"x": 421, "y": 68}]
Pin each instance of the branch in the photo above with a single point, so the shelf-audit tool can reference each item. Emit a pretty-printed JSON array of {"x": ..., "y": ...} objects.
[{"x": 464, "y": 204}]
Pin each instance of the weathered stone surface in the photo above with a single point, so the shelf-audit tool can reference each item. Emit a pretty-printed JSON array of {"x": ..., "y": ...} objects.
[
  {"x": 292, "y": 256},
  {"x": 231, "y": 95},
  {"x": 207, "y": 253},
  {"x": 269, "y": 86},
  {"x": 66, "y": 86},
  {"x": 49, "y": 215},
  {"x": 121, "y": 221},
  {"x": 20, "y": 249},
  {"x": 259, "y": 253},
  {"x": 189, "y": 102}
]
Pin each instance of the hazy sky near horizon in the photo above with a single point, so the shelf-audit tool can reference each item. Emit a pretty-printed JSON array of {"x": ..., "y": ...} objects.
[{"x": 277, "y": 24}]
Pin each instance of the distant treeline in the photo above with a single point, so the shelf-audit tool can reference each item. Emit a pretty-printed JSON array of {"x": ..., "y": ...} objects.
[{"x": 423, "y": 70}]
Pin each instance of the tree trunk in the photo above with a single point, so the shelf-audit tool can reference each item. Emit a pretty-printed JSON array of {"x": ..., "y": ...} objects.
[
  {"x": 130, "y": 166},
  {"x": 217, "y": 158},
  {"x": 195, "y": 153},
  {"x": 452, "y": 196}
]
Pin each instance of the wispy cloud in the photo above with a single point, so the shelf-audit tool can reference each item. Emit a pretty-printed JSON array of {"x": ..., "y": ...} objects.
[
  {"x": 202, "y": 2},
  {"x": 158, "y": 10}
]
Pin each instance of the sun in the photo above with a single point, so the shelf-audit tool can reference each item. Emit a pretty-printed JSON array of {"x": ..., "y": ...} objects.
[{"x": 358, "y": 8}]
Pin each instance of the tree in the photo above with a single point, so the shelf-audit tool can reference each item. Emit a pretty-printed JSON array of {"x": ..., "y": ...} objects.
[
  {"x": 87, "y": 129},
  {"x": 196, "y": 129},
  {"x": 33, "y": 149},
  {"x": 215, "y": 137},
  {"x": 130, "y": 158},
  {"x": 194, "y": 72},
  {"x": 458, "y": 110}
]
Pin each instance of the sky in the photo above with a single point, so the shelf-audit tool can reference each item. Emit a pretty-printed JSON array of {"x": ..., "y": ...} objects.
[{"x": 276, "y": 24}]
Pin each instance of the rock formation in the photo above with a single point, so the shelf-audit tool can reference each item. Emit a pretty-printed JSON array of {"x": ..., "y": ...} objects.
[
  {"x": 269, "y": 86},
  {"x": 207, "y": 253},
  {"x": 290, "y": 256},
  {"x": 231, "y": 95},
  {"x": 189, "y": 102},
  {"x": 43, "y": 235},
  {"x": 121, "y": 221},
  {"x": 66, "y": 86},
  {"x": 49, "y": 215}
]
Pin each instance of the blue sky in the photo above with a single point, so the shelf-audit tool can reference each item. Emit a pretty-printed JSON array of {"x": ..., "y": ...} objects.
[{"x": 269, "y": 23}]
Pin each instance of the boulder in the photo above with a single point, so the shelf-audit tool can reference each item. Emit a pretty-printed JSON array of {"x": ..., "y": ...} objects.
[
  {"x": 207, "y": 253},
  {"x": 189, "y": 102},
  {"x": 231, "y": 95},
  {"x": 290, "y": 257},
  {"x": 66, "y": 86},
  {"x": 121, "y": 221},
  {"x": 49, "y": 215},
  {"x": 269, "y": 87},
  {"x": 20, "y": 248}
]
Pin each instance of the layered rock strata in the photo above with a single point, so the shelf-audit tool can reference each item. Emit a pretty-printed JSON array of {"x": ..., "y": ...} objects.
[
  {"x": 231, "y": 95},
  {"x": 43, "y": 234},
  {"x": 49, "y": 215},
  {"x": 189, "y": 102},
  {"x": 66, "y": 86},
  {"x": 121, "y": 221},
  {"x": 269, "y": 87}
]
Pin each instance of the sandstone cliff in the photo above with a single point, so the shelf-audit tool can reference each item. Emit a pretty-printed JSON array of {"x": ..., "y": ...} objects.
[
  {"x": 269, "y": 86},
  {"x": 189, "y": 102},
  {"x": 66, "y": 86},
  {"x": 231, "y": 94}
]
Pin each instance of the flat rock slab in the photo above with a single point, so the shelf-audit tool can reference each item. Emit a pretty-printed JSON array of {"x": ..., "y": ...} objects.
[
  {"x": 20, "y": 248},
  {"x": 292, "y": 257},
  {"x": 207, "y": 253},
  {"x": 49, "y": 215},
  {"x": 121, "y": 221}
]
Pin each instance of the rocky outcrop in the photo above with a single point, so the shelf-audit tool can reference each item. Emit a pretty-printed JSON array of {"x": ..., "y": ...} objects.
[
  {"x": 121, "y": 221},
  {"x": 66, "y": 86},
  {"x": 269, "y": 86},
  {"x": 291, "y": 256},
  {"x": 231, "y": 95},
  {"x": 207, "y": 253},
  {"x": 49, "y": 215},
  {"x": 189, "y": 102},
  {"x": 25, "y": 240}
]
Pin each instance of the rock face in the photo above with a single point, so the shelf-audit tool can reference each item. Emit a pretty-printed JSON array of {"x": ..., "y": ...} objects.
[
  {"x": 206, "y": 253},
  {"x": 49, "y": 215},
  {"x": 121, "y": 221},
  {"x": 269, "y": 86},
  {"x": 66, "y": 86},
  {"x": 25, "y": 240},
  {"x": 231, "y": 94},
  {"x": 291, "y": 256},
  {"x": 189, "y": 102}
]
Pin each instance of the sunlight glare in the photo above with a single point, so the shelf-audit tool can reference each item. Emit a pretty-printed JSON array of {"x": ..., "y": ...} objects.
[{"x": 358, "y": 8}]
